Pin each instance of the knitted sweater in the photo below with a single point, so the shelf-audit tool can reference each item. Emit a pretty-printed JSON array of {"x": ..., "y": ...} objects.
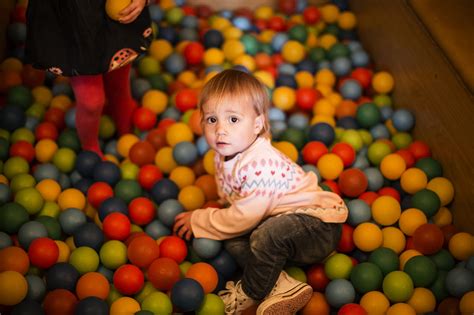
[{"x": 262, "y": 182}]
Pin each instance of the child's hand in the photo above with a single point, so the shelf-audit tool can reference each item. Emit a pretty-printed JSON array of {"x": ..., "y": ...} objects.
[
  {"x": 182, "y": 225},
  {"x": 132, "y": 11}
]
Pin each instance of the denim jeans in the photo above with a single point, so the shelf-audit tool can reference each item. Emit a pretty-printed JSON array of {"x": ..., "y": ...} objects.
[{"x": 279, "y": 241}]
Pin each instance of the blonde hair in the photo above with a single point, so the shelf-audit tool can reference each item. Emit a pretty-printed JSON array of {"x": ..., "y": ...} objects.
[{"x": 241, "y": 85}]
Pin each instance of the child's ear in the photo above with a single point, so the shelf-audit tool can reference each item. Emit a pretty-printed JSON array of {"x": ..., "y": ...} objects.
[{"x": 258, "y": 126}]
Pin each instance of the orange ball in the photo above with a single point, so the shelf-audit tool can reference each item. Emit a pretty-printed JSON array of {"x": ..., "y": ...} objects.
[
  {"x": 163, "y": 273},
  {"x": 205, "y": 274},
  {"x": 59, "y": 301},
  {"x": 317, "y": 305},
  {"x": 428, "y": 239},
  {"x": 92, "y": 284},
  {"x": 142, "y": 251},
  {"x": 14, "y": 258},
  {"x": 195, "y": 122},
  {"x": 208, "y": 185}
]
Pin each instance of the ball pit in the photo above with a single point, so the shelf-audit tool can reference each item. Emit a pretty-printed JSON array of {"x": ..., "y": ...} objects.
[{"x": 88, "y": 223}]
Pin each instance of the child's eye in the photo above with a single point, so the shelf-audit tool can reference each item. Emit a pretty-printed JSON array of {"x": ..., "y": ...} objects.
[
  {"x": 234, "y": 119},
  {"x": 211, "y": 120}
]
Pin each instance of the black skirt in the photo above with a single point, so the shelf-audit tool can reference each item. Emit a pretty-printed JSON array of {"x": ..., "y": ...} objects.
[{"x": 76, "y": 37}]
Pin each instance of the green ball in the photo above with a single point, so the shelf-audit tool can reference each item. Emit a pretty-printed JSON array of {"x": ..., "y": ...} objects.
[
  {"x": 427, "y": 201},
  {"x": 430, "y": 166},
  {"x": 36, "y": 110},
  {"x": 23, "y": 134},
  {"x": 4, "y": 149},
  {"x": 354, "y": 138},
  {"x": 211, "y": 305},
  {"x": 385, "y": 258},
  {"x": 157, "y": 82},
  {"x": 52, "y": 226},
  {"x": 129, "y": 170},
  {"x": 438, "y": 287},
  {"x": 295, "y": 136},
  {"x": 158, "y": 303},
  {"x": 382, "y": 100},
  {"x": 65, "y": 160},
  {"x": 297, "y": 273},
  {"x": 331, "y": 29},
  {"x": 144, "y": 292},
  {"x": 338, "y": 50},
  {"x": 251, "y": 44},
  {"x": 69, "y": 139},
  {"x": 22, "y": 181},
  {"x": 299, "y": 33},
  {"x": 114, "y": 294},
  {"x": 366, "y": 277},
  {"x": 368, "y": 115},
  {"x": 377, "y": 151},
  {"x": 338, "y": 266},
  {"x": 30, "y": 199},
  {"x": 106, "y": 127},
  {"x": 266, "y": 48},
  {"x": 317, "y": 54},
  {"x": 422, "y": 270},
  {"x": 397, "y": 286},
  {"x": 113, "y": 254},
  {"x": 127, "y": 190},
  {"x": 443, "y": 260},
  {"x": 12, "y": 217},
  {"x": 402, "y": 140},
  {"x": 84, "y": 259},
  {"x": 174, "y": 15},
  {"x": 14, "y": 166},
  {"x": 148, "y": 66},
  {"x": 20, "y": 96}
]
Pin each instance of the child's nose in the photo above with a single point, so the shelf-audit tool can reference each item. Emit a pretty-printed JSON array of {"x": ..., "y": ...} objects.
[{"x": 221, "y": 128}]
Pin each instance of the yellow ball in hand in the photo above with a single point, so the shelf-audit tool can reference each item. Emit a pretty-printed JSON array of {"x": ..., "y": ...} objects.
[{"x": 113, "y": 8}]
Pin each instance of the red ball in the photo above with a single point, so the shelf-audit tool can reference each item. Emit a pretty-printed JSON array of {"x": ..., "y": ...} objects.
[
  {"x": 312, "y": 151},
  {"x": 32, "y": 77},
  {"x": 163, "y": 273},
  {"x": 389, "y": 191},
  {"x": 59, "y": 301},
  {"x": 56, "y": 116},
  {"x": 142, "y": 251},
  {"x": 144, "y": 118},
  {"x": 43, "y": 252},
  {"x": 277, "y": 23},
  {"x": 141, "y": 153},
  {"x": 186, "y": 99},
  {"x": 46, "y": 130},
  {"x": 448, "y": 232},
  {"x": 173, "y": 247},
  {"x": 306, "y": 97},
  {"x": 363, "y": 75},
  {"x": 407, "y": 156},
  {"x": 157, "y": 137},
  {"x": 409, "y": 243},
  {"x": 317, "y": 278},
  {"x": 128, "y": 279},
  {"x": 311, "y": 15},
  {"x": 368, "y": 197},
  {"x": 164, "y": 123},
  {"x": 23, "y": 149},
  {"x": 346, "y": 243},
  {"x": 428, "y": 239},
  {"x": 346, "y": 152},
  {"x": 148, "y": 175},
  {"x": 141, "y": 211},
  {"x": 419, "y": 149},
  {"x": 98, "y": 192},
  {"x": 352, "y": 182},
  {"x": 287, "y": 6},
  {"x": 332, "y": 185},
  {"x": 193, "y": 53},
  {"x": 176, "y": 86},
  {"x": 352, "y": 309},
  {"x": 116, "y": 226}
]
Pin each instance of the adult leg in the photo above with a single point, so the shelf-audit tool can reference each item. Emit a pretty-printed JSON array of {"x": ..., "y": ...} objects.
[
  {"x": 89, "y": 94},
  {"x": 120, "y": 102}
]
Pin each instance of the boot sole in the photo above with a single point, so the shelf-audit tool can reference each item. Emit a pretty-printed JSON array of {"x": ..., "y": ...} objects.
[{"x": 287, "y": 303}]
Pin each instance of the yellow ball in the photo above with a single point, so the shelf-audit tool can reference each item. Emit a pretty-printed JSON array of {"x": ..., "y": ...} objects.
[
  {"x": 293, "y": 51},
  {"x": 330, "y": 166},
  {"x": 164, "y": 160},
  {"x": 443, "y": 188},
  {"x": 324, "y": 107},
  {"x": 11, "y": 64},
  {"x": 187, "y": 77},
  {"x": 124, "y": 305},
  {"x": 367, "y": 236},
  {"x": 466, "y": 305},
  {"x": 208, "y": 162},
  {"x": 304, "y": 79},
  {"x": 410, "y": 220},
  {"x": 325, "y": 76},
  {"x": 330, "y": 13},
  {"x": 125, "y": 142},
  {"x": 347, "y": 20},
  {"x": 213, "y": 56},
  {"x": 386, "y": 210},
  {"x": 155, "y": 100},
  {"x": 266, "y": 78},
  {"x": 383, "y": 82},
  {"x": 323, "y": 119},
  {"x": 220, "y": 23},
  {"x": 13, "y": 287},
  {"x": 413, "y": 180},
  {"x": 284, "y": 98},
  {"x": 443, "y": 217},
  {"x": 160, "y": 49},
  {"x": 232, "y": 32},
  {"x": 232, "y": 49},
  {"x": 179, "y": 132},
  {"x": 287, "y": 148},
  {"x": 264, "y": 12},
  {"x": 401, "y": 308},
  {"x": 49, "y": 189},
  {"x": 392, "y": 166},
  {"x": 394, "y": 239},
  {"x": 182, "y": 176},
  {"x": 247, "y": 61},
  {"x": 61, "y": 101},
  {"x": 375, "y": 302},
  {"x": 461, "y": 245},
  {"x": 42, "y": 95},
  {"x": 266, "y": 36},
  {"x": 114, "y": 7},
  {"x": 64, "y": 251},
  {"x": 406, "y": 255},
  {"x": 191, "y": 197},
  {"x": 71, "y": 198},
  {"x": 422, "y": 300},
  {"x": 327, "y": 41}
]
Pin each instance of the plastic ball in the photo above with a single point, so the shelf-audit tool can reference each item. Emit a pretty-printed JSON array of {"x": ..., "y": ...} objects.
[
  {"x": 116, "y": 226},
  {"x": 173, "y": 247},
  {"x": 432, "y": 169},
  {"x": 366, "y": 277},
  {"x": 461, "y": 245},
  {"x": 367, "y": 236},
  {"x": 330, "y": 166},
  {"x": 13, "y": 287},
  {"x": 191, "y": 197},
  {"x": 92, "y": 305},
  {"x": 352, "y": 182},
  {"x": 12, "y": 217},
  {"x": 413, "y": 180},
  {"x": 185, "y": 153},
  {"x": 92, "y": 284},
  {"x": 15, "y": 259},
  {"x": 313, "y": 151},
  {"x": 71, "y": 219},
  {"x": 459, "y": 281},
  {"x": 30, "y": 198},
  {"x": 383, "y": 82},
  {"x": 359, "y": 212},
  {"x": 111, "y": 205},
  {"x": 187, "y": 294},
  {"x": 30, "y": 231},
  {"x": 284, "y": 98},
  {"x": 205, "y": 274},
  {"x": 377, "y": 151},
  {"x": 375, "y": 302},
  {"x": 427, "y": 201},
  {"x": 339, "y": 292},
  {"x": 142, "y": 251},
  {"x": 206, "y": 248},
  {"x": 428, "y": 239},
  {"x": 392, "y": 166},
  {"x": 124, "y": 304},
  {"x": 163, "y": 273},
  {"x": 352, "y": 308},
  {"x": 386, "y": 210},
  {"x": 466, "y": 305},
  {"x": 422, "y": 270},
  {"x": 43, "y": 252},
  {"x": 338, "y": 266},
  {"x": 128, "y": 279},
  {"x": 89, "y": 234},
  {"x": 397, "y": 286},
  {"x": 62, "y": 276},
  {"x": 113, "y": 254},
  {"x": 157, "y": 303},
  {"x": 443, "y": 188},
  {"x": 84, "y": 259},
  {"x": 321, "y": 132}
]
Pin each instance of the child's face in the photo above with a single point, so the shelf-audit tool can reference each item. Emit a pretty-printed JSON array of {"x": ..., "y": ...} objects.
[{"x": 231, "y": 126}]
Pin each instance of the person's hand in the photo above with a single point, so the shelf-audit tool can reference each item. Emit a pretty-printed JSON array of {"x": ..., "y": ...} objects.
[
  {"x": 132, "y": 11},
  {"x": 182, "y": 225}
]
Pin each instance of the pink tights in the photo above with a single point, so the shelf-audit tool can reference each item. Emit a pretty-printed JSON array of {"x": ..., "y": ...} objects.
[{"x": 90, "y": 92}]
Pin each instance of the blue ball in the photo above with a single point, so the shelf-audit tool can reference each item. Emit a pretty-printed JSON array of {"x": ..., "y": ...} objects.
[
  {"x": 156, "y": 229},
  {"x": 156, "y": 13},
  {"x": 187, "y": 294},
  {"x": 175, "y": 63},
  {"x": 277, "y": 128},
  {"x": 322, "y": 132},
  {"x": 340, "y": 292},
  {"x": 341, "y": 66},
  {"x": 242, "y": 23},
  {"x": 106, "y": 171},
  {"x": 284, "y": 79},
  {"x": 276, "y": 114},
  {"x": 459, "y": 281},
  {"x": 83, "y": 185},
  {"x": 171, "y": 112},
  {"x": 351, "y": 89},
  {"x": 109, "y": 274},
  {"x": 12, "y": 117},
  {"x": 202, "y": 145},
  {"x": 5, "y": 240},
  {"x": 361, "y": 162},
  {"x": 380, "y": 131},
  {"x": 5, "y": 193},
  {"x": 168, "y": 210},
  {"x": 31, "y": 123},
  {"x": 403, "y": 120},
  {"x": 188, "y": 34},
  {"x": 27, "y": 307},
  {"x": 64, "y": 181},
  {"x": 164, "y": 189},
  {"x": 278, "y": 40},
  {"x": 86, "y": 162},
  {"x": 307, "y": 65},
  {"x": 168, "y": 33},
  {"x": 298, "y": 121},
  {"x": 213, "y": 39},
  {"x": 190, "y": 21},
  {"x": 347, "y": 122},
  {"x": 139, "y": 87},
  {"x": 111, "y": 148},
  {"x": 286, "y": 69},
  {"x": 185, "y": 153},
  {"x": 36, "y": 288},
  {"x": 206, "y": 248},
  {"x": 386, "y": 112},
  {"x": 91, "y": 305},
  {"x": 228, "y": 14},
  {"x": 62, "y": 276},
  {"x": 30, "y": 231},
  {"x": 62, "y": 88},
  {"x": 360, "y": 58},
  {"x": 112, "y": 204},
  {"x": 89, "y": 235},
  {"x": 224, "y": 264},
  {"x": 375, "y": 178},
  {"x": 359, "y": 212},
  {"x": 71, "y": 220}
]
